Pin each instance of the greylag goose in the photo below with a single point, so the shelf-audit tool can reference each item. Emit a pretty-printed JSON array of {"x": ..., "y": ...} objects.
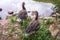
[
  {"x": 23, "y": 13},
  {"x": 33, "y": 26}
]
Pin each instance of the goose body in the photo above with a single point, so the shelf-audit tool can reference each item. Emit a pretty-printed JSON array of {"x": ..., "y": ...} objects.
[
  {"x": 33, "y": 26},
  {"x": 22, "y": 14}
]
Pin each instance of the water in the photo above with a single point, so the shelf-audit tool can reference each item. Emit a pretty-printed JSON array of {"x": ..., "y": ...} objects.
[{"x": 44, "y": 9}]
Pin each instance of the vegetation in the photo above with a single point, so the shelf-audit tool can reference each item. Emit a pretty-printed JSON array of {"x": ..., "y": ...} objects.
[
  {"x": 13, "y": 18},
  {"x": 42, "y": 34},
  {"x": 49, "y": 21}
]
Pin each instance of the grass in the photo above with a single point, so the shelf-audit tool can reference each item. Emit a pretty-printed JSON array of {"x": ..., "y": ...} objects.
[
  {"x": 24, "y": 24},
  {"x": 12, "y": 18},
  {"x": 11, "y": 30},
  {"x": 42, "y": 34}
]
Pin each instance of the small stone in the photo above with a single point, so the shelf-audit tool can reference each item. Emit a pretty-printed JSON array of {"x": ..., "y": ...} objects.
[{"x": 18, "y": 20}]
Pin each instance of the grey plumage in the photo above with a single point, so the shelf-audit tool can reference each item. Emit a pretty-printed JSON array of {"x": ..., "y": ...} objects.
[
  {"x": 33, "y": 26},
  {"x": 23, "y": 13}
]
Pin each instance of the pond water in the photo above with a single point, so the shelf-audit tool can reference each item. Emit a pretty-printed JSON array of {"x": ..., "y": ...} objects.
[{"x": 44, "y": 9}]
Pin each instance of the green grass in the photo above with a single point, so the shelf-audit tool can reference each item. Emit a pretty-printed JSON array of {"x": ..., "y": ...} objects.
[
  {"x": 42, "y": 34},
  {"x": 49, "y": 21},
  {"x": 12, "y": 18},
  {"x": 24, "y": 24}
]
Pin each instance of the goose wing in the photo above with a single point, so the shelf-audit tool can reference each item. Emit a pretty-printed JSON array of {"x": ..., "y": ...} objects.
[
  {"x": 33, "y": 26},
  {"x": 22, "y": 14}
]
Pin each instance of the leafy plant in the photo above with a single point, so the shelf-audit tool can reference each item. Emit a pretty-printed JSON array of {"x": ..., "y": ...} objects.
[
  {"x": 42, "y": 34},
  {"x": 11, "y": 30},
  {"x": 13, "y": 19},
  {"x": 24, "y": 24},
  {"x": 49, "y": 21}
]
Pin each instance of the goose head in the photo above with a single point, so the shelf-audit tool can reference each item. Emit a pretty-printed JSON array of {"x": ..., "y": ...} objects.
[
  {"x": 23, "y": 6},
  {"x": 34, "y": 15},
  {"x": 0, "y": 9},
  {"x": 23, "y": 3}
]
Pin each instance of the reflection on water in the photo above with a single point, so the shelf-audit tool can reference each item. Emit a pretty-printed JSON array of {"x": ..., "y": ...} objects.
[{"x": 15, "y": 5}]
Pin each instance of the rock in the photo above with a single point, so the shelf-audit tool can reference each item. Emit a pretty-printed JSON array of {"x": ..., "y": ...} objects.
[
  {"x": 15, "y": 36},
  {"x": 54, "y": 15},
  {"x": 58, "y": 35},
  {"x": 6, "y": 26},
  {"x": 10, "y": 12},
  {"x": 48, "y": 18},
  {"x": 0, "y": 9},
  {"x": 5, "y": 32},
  {"x": 54, "y": 30},
  {"x": 57, "y": 13},
  {"x": 3, "y": 22}
]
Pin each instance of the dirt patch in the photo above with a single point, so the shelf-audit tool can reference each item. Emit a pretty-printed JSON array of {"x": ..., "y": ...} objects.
[{"x": 10, "y": 31}]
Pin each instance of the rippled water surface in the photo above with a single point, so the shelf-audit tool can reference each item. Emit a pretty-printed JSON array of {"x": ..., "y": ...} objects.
[{"x": 15, "y": 5}]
